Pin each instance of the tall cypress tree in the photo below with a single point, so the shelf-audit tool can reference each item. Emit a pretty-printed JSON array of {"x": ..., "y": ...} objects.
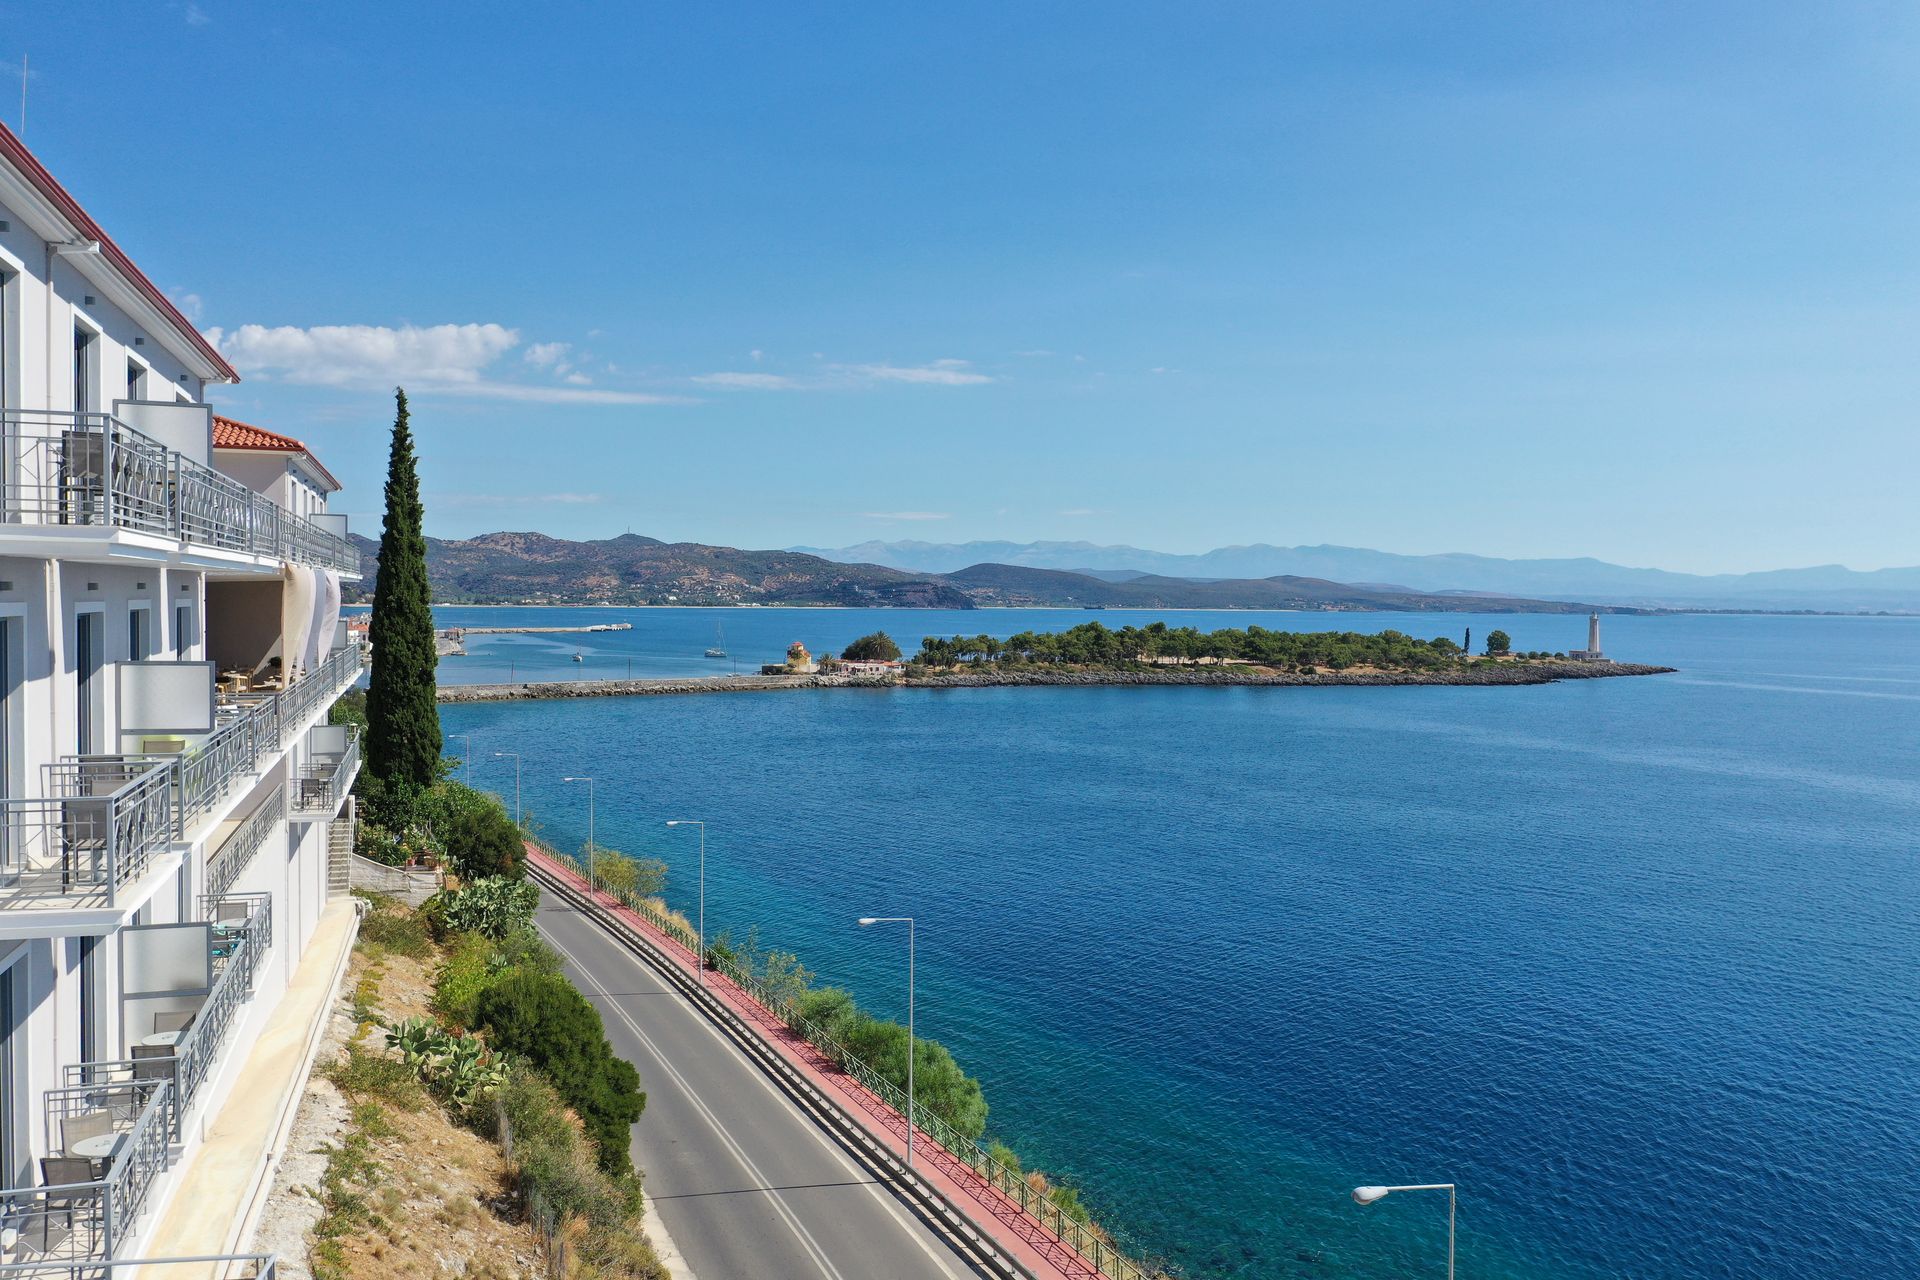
[{"x": 403, "y": 720}]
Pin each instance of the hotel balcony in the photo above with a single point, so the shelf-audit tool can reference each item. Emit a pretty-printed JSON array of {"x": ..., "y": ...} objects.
[
  {"x": 333, "y": 762},
  {"x": 110, "y": 1128},
  {"x": 74, "y": 853},
  {"x": 65, "y": 473}
]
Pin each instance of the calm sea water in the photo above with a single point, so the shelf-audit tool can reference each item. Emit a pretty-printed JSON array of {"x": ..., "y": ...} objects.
[{"x": 1635, "y": 962}]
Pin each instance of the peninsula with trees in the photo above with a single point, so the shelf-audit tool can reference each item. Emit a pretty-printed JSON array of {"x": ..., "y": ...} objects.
[{"x": 1094, "y": 654}]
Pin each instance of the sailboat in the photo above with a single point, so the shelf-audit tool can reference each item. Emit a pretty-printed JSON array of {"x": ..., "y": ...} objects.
[{"x": 719, "y": 649}]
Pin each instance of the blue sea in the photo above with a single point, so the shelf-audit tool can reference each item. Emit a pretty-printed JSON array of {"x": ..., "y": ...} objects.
[{"x": 1634, "y": 962}]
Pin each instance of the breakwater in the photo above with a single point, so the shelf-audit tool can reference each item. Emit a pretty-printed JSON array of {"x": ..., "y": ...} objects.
[{"x": 1504, "y": 673}]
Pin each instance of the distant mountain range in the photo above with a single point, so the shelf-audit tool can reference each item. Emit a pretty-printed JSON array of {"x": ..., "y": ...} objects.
[
  {"x": 532, "y": 568},
  {"x": 1824, "y": 587}
]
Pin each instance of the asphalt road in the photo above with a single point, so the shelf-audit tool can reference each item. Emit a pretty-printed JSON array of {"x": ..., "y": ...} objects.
[{"x": 750, "y": 1188}]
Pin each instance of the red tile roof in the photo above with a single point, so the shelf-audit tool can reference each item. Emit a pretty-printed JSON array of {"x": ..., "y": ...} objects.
[
  {"x": 229, "y": 433},
  {"x": 15, "y": 152}
]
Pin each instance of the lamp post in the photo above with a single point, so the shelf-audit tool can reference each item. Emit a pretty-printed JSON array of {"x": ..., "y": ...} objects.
[
  {"x": 589, "y": 782},
  {"x": 866, "y": 921},
  {"x": 466, "y": 760},
  {"x": 700, "y": 962},
  {"x": 1367, "y": 1195},
  {"x": 516, "y": 781}
]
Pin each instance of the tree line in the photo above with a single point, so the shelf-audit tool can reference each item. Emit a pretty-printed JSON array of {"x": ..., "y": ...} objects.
[{"x": 1093, "y": 645}]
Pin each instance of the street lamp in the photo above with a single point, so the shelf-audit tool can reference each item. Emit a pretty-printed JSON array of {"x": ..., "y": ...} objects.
[
  {"x": 866, "y": 921},
  {"x": 589, "y": 782},
  {"x": 466, "y": 761},
  {"x": 516, "y": 781},
  {"x": 701, "y": 963},
  {"x": 1367, "y": 1195}
]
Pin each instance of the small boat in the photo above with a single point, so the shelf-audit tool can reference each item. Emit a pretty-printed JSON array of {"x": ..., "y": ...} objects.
[
  {"x": 578, "y": 658},
  {"x": 719, "y": 649}
]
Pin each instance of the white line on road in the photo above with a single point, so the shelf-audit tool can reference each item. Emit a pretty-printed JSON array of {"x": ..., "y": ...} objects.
[
  {"x": 739, "y": 1153},
  {"x": 883, "y": 1198}
]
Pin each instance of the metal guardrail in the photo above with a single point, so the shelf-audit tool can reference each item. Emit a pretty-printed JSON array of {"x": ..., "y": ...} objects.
[
  {"x": 324, "y": 781},
  {"x": 98, "y": 826},
  {"x": 1085, "y": 1239},
  {"x": 65, "y": 468},
  {"x": 78, "y": 1224},
  {"x": 238, "y": 851}
]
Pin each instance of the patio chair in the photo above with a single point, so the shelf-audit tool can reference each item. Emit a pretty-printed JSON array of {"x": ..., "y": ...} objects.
[
  {"x": 87, "y": 1124},
  {"x": 172, "y": 1020},
  {"x": 153, "y": 1062},
  {"x": 58, "y": 1172}
]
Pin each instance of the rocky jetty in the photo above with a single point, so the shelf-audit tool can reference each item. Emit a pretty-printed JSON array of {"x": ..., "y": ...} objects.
[{"x": 1502, "y": 673}]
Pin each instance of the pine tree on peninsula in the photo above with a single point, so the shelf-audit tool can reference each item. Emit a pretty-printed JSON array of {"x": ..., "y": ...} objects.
[{"x": 403, "y": 720}]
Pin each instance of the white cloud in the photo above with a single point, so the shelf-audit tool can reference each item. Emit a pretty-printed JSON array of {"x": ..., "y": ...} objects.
[
  {"x": 908, "y": 515},
  {"x": 1078, "y": 511},
  {"x": 579, "y": 379},
  {"x": 190, "y": 304},
  {"x": 748, "y": 381},
  {"x": 442, "y": 359},
  {"x": 942, "y": 373},
  {"x": 196, "y": 16},
  {"x": 756, "y": 355}
]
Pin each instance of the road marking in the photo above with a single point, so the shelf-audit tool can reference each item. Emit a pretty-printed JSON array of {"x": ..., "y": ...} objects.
[
  {"x": 739, "y": 1153},
  {"x": 912, "y": 1226}
]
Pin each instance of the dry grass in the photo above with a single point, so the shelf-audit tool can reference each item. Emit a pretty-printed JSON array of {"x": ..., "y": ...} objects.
[{"x": 408, "y": 1192}]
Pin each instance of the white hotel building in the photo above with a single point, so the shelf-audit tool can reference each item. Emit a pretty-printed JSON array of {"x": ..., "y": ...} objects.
[{"x": 174, "y": 813}]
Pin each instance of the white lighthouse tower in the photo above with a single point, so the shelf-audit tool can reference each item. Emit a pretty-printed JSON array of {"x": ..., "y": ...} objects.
[{"x": 1592, "y": 652}]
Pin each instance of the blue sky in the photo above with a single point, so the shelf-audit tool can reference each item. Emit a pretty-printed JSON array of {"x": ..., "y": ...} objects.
[{"x": 1633, "y": 281}]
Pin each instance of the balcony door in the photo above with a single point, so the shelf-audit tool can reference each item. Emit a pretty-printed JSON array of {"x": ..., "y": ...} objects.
[
  {"x": 89, "y": 656},
  {"x": 139, "y": 633},
  {"x": 86, "y": 346}
]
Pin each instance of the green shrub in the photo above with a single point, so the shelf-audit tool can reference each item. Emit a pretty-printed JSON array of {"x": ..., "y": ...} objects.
[
  {"x": 365, "y": 1074},
  {"x": 554, "y": 1166},
  {"x": 403, "y": 933},
  {"x": 466, "y": 971},
  {"x": 526, "y": 950},
  {"x": 541, "y": 1018},
  {"x": 495, "y": 908},
  {"x": 479, "y": 837},
  {"x": 939, "y": 1085}
]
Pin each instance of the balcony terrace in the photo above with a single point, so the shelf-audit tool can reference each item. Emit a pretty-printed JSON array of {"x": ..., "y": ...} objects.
[
  {"x": 333, "y": 762},
  {"x": 61, "y": 470},
  {"x": 103, "y": 822},
  {"x": 110, "y": 1128}
]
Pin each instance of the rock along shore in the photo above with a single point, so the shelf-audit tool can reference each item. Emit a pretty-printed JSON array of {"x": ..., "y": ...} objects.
[{"x": 1505, "y": 673}]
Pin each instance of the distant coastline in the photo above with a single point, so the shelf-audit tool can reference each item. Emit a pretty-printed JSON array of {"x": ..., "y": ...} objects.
[{"x": 1478, "y": 674}]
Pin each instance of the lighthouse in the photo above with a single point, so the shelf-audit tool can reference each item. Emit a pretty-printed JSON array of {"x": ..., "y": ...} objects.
[{"x": 1592, "y": 652}]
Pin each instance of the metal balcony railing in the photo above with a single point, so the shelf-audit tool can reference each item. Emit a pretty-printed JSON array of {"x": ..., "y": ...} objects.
[
  {"x": 238, "y": 850},
  {"x": 73, "y": 1220},
  {"x": 324, "y": 780},
  {"x": 242, "y": 925},
  {"x": 101, "y": 820},
  {"x": 63, "y": 468},
  {"x": 212, "y": 1266},
  {"x": 96, "y": 828}
]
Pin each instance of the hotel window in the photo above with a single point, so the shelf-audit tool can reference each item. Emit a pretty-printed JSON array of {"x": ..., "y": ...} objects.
[
  {"x": 88, "y": 656},
  {"x": 139, "y": 634},
  {"x": 136, "y": 380},
  {"x": 86, "y": 344},
  {"x": 182, "y": 631}
]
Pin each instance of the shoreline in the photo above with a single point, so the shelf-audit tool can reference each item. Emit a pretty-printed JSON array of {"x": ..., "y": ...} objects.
[{"x": 1505, "y": 674}]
